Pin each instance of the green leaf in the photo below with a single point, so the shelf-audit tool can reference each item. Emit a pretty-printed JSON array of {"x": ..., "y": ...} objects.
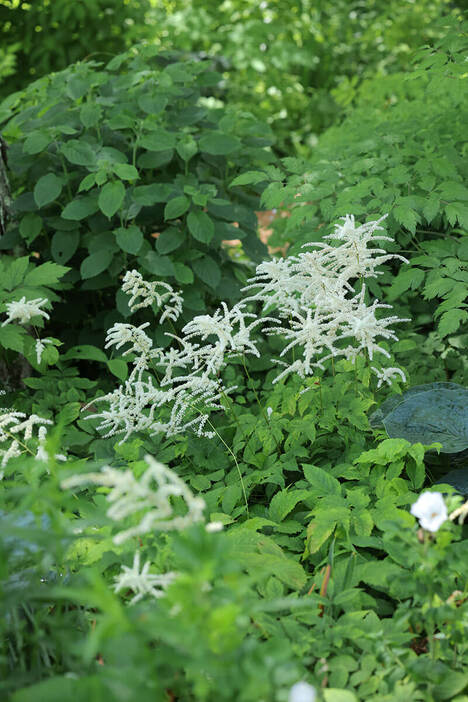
[
  {"x": 80, "y": 208},
  {"x": 148, "y": 195},
  {"x": 219, "y": 144},
  {"x": 87, "y": 182},
  {"x": 158, "y": 265},
  {"x": 79, "y": 153},
  {"x": 47, "y": 189},
  {"x": 406, "y": 216},
  {"x": 201, "y": 226},
  {"x": 152, "y": 104},
  {"x": 334, "y": 694},
  {"x": 14, "y": 274},
  {"x": 12, "y": 337},
  {"x": 285, "y": 501},
  {"x": 412, "y": 278},
  {"x": 118, "y": 367},
  {"x": 90, "y": 114},
  {"x": 111, "y": 198},
  {"x": 95, "y": 263},
  {"x": 187, "y": 147},
  {"x": 249, "y": 178},
  {"x": 30, "y": 226},
  {"x": 129, "y": 239},
  {"x": 47, "y": 273},
  {"x": 85, "y": 352},
  {"x": 176, "y": 207},
  {"x": 454, "y": 682},
  {"x": 36, "y": 142},
  {"x": 64, "y": 245},
  {"x": 125, "y": 171},
  {"x": 451, "y": 320},
  {"x": 183, "y": 274},
  {"x": 160, "y": 140},
  {"x": 170, "y": 240},
  {"x": 207, "y": 270},
  {"x": 322, "y": 482},
  {"x": 430, "y": 208}
]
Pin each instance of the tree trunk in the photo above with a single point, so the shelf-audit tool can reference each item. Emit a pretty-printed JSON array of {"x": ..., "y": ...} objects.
[{"x": 5, "y": 198}]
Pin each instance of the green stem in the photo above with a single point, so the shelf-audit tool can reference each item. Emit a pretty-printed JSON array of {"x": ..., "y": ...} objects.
[{"x": 237, "y": 465}]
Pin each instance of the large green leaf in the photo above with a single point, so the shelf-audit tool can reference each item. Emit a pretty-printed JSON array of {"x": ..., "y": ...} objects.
[
  {"x": 47, "y": 273},
  {"x": 160, "y": 140},
  {"x": 47, "y": 189},
  {"x": 79, "y": 152},
  {"x": 80, "y": 208},
  {"x": 129, "y": 239},
  {"x": 219, "y": 144},
  {"x": 176, "y": 207},
  {"x": 207, "y": 270},
  {"x": 64, "y": 245},
  {"x": 201, "y": 226},
  {"x": 95, "y": 263},
  {"x": 111, "y": 198}
]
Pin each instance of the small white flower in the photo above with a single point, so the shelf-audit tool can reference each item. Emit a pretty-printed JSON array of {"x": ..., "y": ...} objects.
[
  {"x": 40, "y": 346},
  {"x": 431, "y": 511},
  {"x": 269, "y": 411},
  {"x": 142, "y": 582},
  {"x": 386, "y": 375},
  {"x": 23, "y": 311},
  {"x": 302, "y": 692},
  {"x": 213, "y": 527}
]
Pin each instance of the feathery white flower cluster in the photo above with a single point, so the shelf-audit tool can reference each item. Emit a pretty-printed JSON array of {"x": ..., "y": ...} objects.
[
  {"x": 190, "y": 386},
  {"x": 313, "y": 292},
  {"x": 142, "y": 582},
  {"x": 149, "y": 497},
  {"x": 10, "y": 425},
  {"x": 134, "y": 285},
  {"x": 23, "y": 310}
]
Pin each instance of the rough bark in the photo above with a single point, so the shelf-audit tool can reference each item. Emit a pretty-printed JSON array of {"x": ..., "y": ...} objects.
[{"x": 5, "y": 198}]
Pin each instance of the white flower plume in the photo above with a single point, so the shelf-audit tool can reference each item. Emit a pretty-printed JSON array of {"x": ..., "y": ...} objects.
[
  {"x": 142, "y": 582},
  {"x": 23, "y": 310},
  {"x": 150, "y": 498}
]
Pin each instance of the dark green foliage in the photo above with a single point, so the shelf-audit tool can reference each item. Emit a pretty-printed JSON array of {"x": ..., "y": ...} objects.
[{"x": 128, "y": 166}]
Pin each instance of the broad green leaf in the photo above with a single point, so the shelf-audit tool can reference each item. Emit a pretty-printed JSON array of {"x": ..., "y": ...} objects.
[
  {"x": 170, "y": 240},
  {"x": 47, "y": 274},
  {"x": 129, "y": 239},
  {"x": 285, "y": 501},
  {"x": 183, "y": 274},
  {"x": 219, "y": 144},
  {"x": 12, "y": 337},
  {"x": 148, "y": 195},
  {"x": 125, "y": 171},
  {"x": 408, "y": 279},
  {"x": 85, "y": 352},
  {"x": 207, "y": 270},
  {"x": 87, "y": 182},
  {"x": 80, "y": 208},
  {"x": 111, "y": 198},
  {"x": 176, "y": 207},
  {"x": 77, "y": 86},
  {"x": 318, "y": 532},
  {"x": 406, "y": 216},
  {"x": 160, "y": 140},
  {"x": 30, "y": 226},
  {"x": 47, "y": 189},
  {"x": 64, "y": 245},
  {"x": 431, "y": 208},
  {"x": 152, "y": 104},
  {"x": 79, "y": 152},
  {"x": 451, "y": 320},
  {"x": 322, "y": 482},
  {"x": 249, "y": 178},
  {"x": 36, "y": 142},
  {"x": 95, "y": 263},
  {"x": 201, "y": 226},
  {"x": 187, "y": 147},
  {"x": 118, "y": 367},
  {"x": 90, "y": 114},
  {"x": 158, "y": 265}
]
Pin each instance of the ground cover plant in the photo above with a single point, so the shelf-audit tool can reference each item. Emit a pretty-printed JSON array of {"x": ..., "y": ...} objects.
[{"x": 254, "y": 490}]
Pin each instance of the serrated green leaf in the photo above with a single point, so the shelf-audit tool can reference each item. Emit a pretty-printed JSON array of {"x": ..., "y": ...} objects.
[
  {"x": 90, "y": 114},
  {"x": 322, "y": 483},
  {"x": 14, "y": 274},
  {"x": 406, "y": 216},
  {"x": 431, "y": 208},
  {"x": 201, "y": 226},
  {"x": 411, "y": 278},
  {"x": 451, "y": 320},
  {"x": 79, "y": 152},
  {"x": 249, "y": 178},
  {"x": 187, "y": 147},
  {"x": 152, "y": 104},
  {"x": 47, "y": 189},
  {"x": 148, "y": 195},
  {"x": 125, "y": 171},
  {"x": 285, "y": 501},
  {"x": 12, "y": 337},
  {"x": 111, "y": 198},
  {"x": 47, "y": 274}
]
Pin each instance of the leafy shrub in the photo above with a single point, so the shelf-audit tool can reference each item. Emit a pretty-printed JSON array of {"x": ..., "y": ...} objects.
[
  {"x": 301, "y": 62},
  {"x": 128, "y": 165},
  {"x": 46, "y": 36}
]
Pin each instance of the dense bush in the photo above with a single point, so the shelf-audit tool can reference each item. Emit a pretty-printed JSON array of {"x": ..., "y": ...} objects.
[{"x": 128, "y": 165}]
